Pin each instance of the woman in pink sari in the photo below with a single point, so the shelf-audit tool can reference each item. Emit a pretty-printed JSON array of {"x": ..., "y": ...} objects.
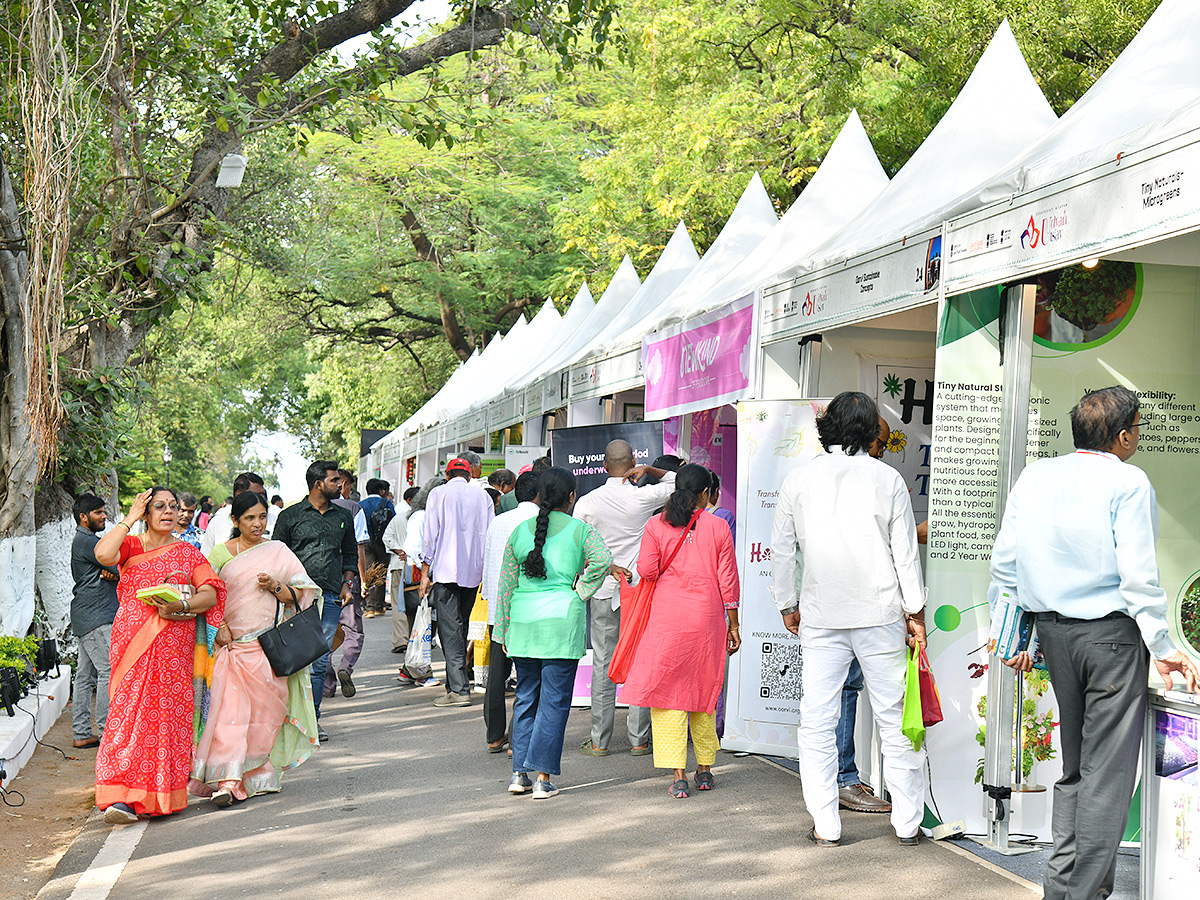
[
  {"x": 142, "y": 764},
  {"x": 258, "y": 723}
]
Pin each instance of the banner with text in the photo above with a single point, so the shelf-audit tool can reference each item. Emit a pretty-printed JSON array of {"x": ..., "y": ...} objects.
[
  {"x": 705, "y": 362},
  {"x": 581, "y": 449},
  {"x": 903, "y": 391},
  {"x": 763, "y": 691}
]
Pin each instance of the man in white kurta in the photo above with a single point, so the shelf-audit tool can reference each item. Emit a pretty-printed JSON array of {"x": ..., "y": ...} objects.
[{"x": 844, "y": 520}]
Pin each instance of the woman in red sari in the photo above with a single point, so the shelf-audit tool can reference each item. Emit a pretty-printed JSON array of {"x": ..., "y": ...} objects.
[{"x": 146, "y": 752}]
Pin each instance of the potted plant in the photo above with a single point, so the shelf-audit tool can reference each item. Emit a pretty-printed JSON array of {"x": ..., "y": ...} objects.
[
  {"x": 20, "y": 654},
  {"x": 1088, "y": 298}
]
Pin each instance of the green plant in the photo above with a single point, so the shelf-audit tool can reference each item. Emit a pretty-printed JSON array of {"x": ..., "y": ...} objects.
[
  {"x": 1037, "y": 728},
  {"x": 19, "y": 654},
  {"x": 1086, "y": 297},
  {"x": 1189, "y": 615}
]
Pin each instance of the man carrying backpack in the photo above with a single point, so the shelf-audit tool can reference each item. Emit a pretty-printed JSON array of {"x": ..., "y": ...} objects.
[{"x": 379, "y": 511}]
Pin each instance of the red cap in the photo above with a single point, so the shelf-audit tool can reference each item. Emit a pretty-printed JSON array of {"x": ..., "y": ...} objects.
[{"x": 458, "y": 464}]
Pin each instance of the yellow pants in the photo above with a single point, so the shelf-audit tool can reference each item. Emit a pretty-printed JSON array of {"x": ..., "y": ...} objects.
[{"x": 670, "y": 730}]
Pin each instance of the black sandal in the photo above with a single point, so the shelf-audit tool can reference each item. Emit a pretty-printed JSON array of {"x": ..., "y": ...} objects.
[{"x": 819, "y": 841}]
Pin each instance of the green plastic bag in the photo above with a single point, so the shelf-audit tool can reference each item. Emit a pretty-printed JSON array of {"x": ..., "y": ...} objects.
[{"x": 912, "y": 724}]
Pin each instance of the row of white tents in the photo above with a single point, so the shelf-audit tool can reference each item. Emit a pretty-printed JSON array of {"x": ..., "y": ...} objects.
[{"x": 1114, "y": 170}]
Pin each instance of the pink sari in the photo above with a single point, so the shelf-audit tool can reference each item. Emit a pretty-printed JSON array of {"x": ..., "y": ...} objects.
[{"x": 258, "y": 723}]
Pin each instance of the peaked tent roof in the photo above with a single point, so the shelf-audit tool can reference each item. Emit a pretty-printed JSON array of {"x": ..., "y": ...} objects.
[
  {"x": 623, "y": 287},
  {"x": 848, "y": 179},
  {"x": 752, "y": 220},
  {"x": 574, "y": 319},
  {"x": 677, "y": 259},
  {"x": 540, "y": 332},
  {"x": 1154, "y": 77},
  {"x": 999, "y": 111}
]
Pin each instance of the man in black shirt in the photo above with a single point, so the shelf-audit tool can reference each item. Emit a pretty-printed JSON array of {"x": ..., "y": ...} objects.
[
  {"x": 322, "y": 537},
  {"x": 93, "y": 608}
]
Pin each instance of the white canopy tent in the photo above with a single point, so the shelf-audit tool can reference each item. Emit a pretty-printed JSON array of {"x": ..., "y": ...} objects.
[
  {"x": 508, "y": 403},
  {"x": 553, "y": 370},
  {"x": 1118, "y": 164},
  {"x": 593, "y": 375},
  {"x": 753, "y": 219},
  {"x": 848, "y": 179},
  {"x": 888, "y": 258}
]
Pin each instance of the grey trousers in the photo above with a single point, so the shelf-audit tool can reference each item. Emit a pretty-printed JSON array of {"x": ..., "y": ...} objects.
[
  {"x": 606, "y": 625},
  {"x": 91, "y": 678},
  {"x": 453, "y": 603},
  {"x": 1099, "y": 669}
]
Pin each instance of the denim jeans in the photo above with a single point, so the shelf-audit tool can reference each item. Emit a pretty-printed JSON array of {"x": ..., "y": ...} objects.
[
  {"x": 330, "y": 614},
  {"x": 91, "y": 678},
  {"x": 540, "y": 712},
  {"x": 847, "y": 769}
]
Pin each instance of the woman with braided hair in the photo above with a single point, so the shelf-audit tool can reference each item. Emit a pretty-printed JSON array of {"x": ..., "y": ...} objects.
[
  {"x": 552, "y": 566},
  {"x": 679, "y": 665}
]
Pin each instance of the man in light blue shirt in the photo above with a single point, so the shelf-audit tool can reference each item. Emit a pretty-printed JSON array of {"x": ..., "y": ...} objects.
[{"x": 1076, "y": 547}]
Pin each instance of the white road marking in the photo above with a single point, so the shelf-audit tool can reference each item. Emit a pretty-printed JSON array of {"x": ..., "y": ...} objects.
[{"x": 106, "y": 868}]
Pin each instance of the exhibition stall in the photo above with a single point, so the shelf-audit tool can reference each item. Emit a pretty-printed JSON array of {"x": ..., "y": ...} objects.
[{"x": 867, "y": 299}]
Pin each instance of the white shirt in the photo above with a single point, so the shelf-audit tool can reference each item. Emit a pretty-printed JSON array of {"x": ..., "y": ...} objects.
[
  {"x": 498, "y": 534},
  {"x": 273, "y": 512},
  {"x": 219, "y": 530},
  {"x": 393, "y": 536},
  {"x": 619, "y": 511},
  {"x": 360, "y": 528},
  {"x": 1077, "y": 538},
  {"x": 413, "y": 536},
  {"x": 846, "y": 523}
]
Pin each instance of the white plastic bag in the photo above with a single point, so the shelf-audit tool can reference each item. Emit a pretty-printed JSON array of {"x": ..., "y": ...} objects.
[{"x": 418, "y": 658}]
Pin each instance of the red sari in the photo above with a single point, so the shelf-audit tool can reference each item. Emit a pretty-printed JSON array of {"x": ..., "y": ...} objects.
[{"x": 146, "y": 752}]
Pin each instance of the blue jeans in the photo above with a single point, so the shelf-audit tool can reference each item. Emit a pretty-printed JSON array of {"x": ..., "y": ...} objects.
[
  {"x": 330, "y": 614},
  {"x": 847, "y": 770},
  {"x": 540, "y": 712}
]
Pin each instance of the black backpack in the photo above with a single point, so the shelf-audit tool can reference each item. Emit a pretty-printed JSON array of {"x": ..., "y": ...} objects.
[{"x": 377, "y": 524}]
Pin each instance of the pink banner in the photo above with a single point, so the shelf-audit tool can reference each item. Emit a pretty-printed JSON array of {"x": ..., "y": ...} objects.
[{"x": 700, "y": 366}]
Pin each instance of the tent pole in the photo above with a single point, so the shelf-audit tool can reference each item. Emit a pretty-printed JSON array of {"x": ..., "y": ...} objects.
[{"x": 1016, "y": 350}]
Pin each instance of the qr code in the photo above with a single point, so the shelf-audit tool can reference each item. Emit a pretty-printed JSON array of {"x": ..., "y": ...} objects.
[{"x": 780, "y": 676}]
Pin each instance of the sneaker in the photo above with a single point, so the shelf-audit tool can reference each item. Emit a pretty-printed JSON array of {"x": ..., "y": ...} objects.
[
  {"x": 452, "y": 699},
  {"x": 428, "y": 681},
  {"x": 120, "y": 814},
  {"x": 322, "y": 737},
  {"x": 520, "y": 784},
  {"x": 348, "y": 688},
  {"x": 543, "y": 790}
]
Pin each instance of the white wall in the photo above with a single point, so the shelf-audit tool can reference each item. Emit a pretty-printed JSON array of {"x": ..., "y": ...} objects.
[{"x": 17, "y": 563}]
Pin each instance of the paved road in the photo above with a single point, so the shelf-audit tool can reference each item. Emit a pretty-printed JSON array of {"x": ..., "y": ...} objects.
[{"x": 405, "y": 802}]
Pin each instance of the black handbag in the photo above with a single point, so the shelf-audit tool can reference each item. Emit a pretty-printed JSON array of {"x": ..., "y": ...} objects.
[{"x": 294, "y": 643}]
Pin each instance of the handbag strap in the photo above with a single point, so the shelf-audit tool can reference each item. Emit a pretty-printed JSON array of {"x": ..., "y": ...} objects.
[{"x": 679, "y": 544}]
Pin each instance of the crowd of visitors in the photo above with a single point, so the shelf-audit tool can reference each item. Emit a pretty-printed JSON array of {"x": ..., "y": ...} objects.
[{"x": 170, "y": 602}]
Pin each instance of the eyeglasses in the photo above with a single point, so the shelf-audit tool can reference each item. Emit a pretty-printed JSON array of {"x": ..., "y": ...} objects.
[{"x": 160, "y": 505}]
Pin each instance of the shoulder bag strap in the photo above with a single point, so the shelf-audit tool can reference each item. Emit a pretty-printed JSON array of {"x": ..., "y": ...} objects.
[{"x": 679, "y": 544}]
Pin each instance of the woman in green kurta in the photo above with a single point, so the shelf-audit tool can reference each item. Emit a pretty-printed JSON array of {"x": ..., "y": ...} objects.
[{"x": 552, "y": 566}]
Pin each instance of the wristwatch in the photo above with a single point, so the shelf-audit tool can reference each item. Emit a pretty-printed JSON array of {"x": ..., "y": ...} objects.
[{"x": 790, "y": 610}]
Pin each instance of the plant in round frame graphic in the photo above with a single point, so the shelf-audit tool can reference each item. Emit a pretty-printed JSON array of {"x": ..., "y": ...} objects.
[{"x": 1188, "y": 610}]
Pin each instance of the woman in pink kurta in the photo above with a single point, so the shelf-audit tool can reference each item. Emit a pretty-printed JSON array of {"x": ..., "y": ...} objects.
[{"x": 679, "y": 665}]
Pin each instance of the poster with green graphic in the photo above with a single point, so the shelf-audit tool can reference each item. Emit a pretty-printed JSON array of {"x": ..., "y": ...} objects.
[{"x": 1129, "y": 324}]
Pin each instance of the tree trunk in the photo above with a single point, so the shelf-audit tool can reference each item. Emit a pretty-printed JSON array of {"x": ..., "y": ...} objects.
[{"x": 18, "y": 456}]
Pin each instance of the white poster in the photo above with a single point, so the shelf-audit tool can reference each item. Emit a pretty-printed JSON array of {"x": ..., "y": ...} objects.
[
  {"x": 903, "y": 389},
  {"x": 516, "y": 457},
  {"x": 763, "y": 706}
]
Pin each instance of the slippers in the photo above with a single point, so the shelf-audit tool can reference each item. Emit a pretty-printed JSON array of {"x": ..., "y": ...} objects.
[
  {"x": 587, "y": 748},
  {"x": 820, "y": 841},
  {"x": 679, "y": 789},
  {"x": 86, "y": 743},
  {"x": 641, "y": 751},
  {"x": 498, "y": 748}
]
